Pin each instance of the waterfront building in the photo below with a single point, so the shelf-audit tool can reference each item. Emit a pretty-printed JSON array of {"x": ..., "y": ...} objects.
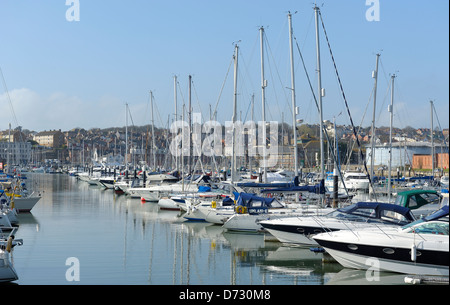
[{"x": 402, "y": 153}]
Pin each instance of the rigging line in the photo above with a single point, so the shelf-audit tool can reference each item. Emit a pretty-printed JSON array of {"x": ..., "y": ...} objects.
[
  {"x": 182, "y": 98},
  {"x": 345, "y": 100},
  {"x": 383, "y": 104},
  {"x": 439, "y": 124},
  {"x": 198, "y": 102},
  {"x": 223, "y": 85},
  {"x": 9, "y": 98},
  {"x": 359, "y": 127},
  {"x": 278, "y": 74},
  {"x": 318, "y": 109}
]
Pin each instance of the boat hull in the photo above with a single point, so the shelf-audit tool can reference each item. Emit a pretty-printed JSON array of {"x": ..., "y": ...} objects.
[
  {"x": 25, "y": 204},
  {"x": 410, "y": 255},
  {"x": 365, "y": 262},
  {"x": 7, "y": 271}
]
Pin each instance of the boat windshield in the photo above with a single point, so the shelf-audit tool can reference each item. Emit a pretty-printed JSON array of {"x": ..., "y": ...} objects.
[
  {"x": 369, "y": 215},
  {"x": 433, "y": 227}
]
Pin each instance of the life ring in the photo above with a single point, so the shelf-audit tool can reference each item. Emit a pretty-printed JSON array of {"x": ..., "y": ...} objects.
[{"x": 241, "y": 209}]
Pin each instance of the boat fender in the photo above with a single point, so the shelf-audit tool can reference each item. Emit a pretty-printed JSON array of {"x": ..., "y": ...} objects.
[
  {"x": 9, "y": 244},
  {"x": 413, "y": 252}
]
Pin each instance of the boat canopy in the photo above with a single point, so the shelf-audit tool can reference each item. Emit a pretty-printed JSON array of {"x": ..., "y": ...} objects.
[
  {"x": 442, "y": 212},
  {"x": 414, "y": 199},
  {"x": 256, "y": 204},
  {"x": 380, "y": 209}
]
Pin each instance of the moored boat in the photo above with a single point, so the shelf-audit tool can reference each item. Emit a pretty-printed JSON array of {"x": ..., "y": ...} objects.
[{"x": 421, "y": 247}]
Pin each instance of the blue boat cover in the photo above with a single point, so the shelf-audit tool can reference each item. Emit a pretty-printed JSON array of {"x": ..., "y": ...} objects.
[
  {"x": 256, "y": 204},
  {"x": 203, "y": 189},
  {"x": 438, "y": 214},
  {"x": 378, "y": 207}
]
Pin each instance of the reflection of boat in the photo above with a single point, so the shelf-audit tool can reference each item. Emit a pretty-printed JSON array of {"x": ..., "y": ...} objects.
[
  {"x": 299, "y": 230},
  {"x": 418, "y": 248},
  {"x": 362, "y": 277}
]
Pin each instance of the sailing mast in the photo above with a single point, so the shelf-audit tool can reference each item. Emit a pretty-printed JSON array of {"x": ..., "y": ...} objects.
[
  {"x": 153, "y": 133},
  {"x": 126, "y": 137},
  {"x": 432, "y": 142},
  {"x": 320, "y": 94},
  {"x": 391, "y": 111},
  {"x": 294, "y": 106},
  {"x": 233, "y": 158},
  {"x": 176, "y": 116},
  {"x": 372, "y": 140},
  {"x": 263, "y": 99},
  {"x": 190, "y": 127}
]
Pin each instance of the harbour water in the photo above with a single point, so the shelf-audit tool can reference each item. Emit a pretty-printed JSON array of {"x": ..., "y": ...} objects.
[{"x": 81, "y": 234}]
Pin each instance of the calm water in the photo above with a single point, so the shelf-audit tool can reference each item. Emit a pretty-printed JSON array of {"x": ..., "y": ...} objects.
[{"x": 118, "y": 240}]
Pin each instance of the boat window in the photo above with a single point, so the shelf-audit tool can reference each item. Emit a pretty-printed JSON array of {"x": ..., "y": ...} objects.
[
  {"x": 427, "y": 198},
  {"x": 412, "y": 202},
  {"x": 439, "y": 228},
  {"x": 393, "y": 217},
  {"x": 365, "y": 212},
  {"x": 399, "y": 200}
]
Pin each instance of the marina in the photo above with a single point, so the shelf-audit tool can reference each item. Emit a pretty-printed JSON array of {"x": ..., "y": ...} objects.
[
  {"x": 116, "y": 239},
  {"x": 240, "y": 196}
]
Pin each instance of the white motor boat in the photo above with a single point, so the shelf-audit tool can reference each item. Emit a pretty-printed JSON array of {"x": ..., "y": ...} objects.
[
  {"x": 420, "y": 248},
  {"x": 165, "y": 189},
  {"x": 355, "y": 181},
  {"x": 301, "y": 229}
]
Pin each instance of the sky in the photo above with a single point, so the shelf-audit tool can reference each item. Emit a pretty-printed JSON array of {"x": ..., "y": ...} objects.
[{"x": 60, "y": 73}]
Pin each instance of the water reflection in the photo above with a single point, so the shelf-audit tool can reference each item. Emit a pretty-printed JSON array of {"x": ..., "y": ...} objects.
[{"x": 119, "y": 240}]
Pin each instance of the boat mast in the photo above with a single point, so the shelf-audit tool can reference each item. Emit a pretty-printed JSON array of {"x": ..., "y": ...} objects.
[
  {"x": 233, "y": 158},
  {"x": 263, "y": 99},
  {"x": 391, "y": 111},
  {"x": 176, "y": 116},
  {"x": 432, "y": 142},
  {"x": 126, "y": 137},
  {"x": 320, "y": 93},
  {"x": 294, "y": 106},
  {"x": 190, "y": 127},
  {"x": 372, "y": 140},
  {"x": 153, "y": 133}
]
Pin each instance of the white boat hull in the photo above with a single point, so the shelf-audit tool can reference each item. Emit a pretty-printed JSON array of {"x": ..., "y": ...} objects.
[
  {"x": 354, "y": 261},
  {"x": 25, "y": 204},
  {"x": 7, "y": 271},
  {"x": 168, "y": 204}
]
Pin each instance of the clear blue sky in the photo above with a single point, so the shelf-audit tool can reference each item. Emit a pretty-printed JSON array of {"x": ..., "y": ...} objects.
[{"x": 62, "y": 75}]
